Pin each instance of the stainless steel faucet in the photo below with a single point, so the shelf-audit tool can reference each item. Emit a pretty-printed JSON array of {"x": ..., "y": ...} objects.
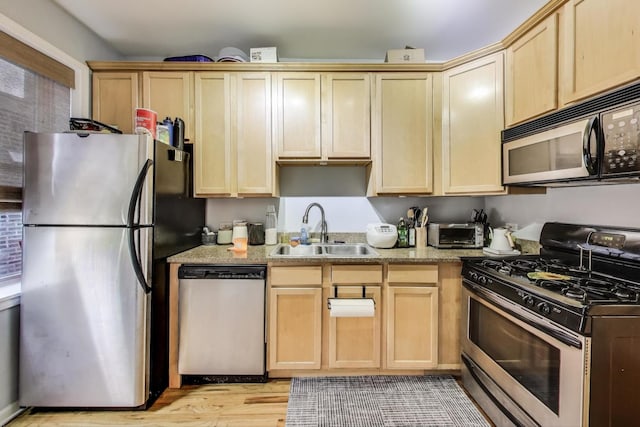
[{"x": 324, "y": 238}]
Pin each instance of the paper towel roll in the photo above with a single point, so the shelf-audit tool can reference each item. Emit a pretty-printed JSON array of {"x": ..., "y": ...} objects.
[{"x": 352, "y": 307}]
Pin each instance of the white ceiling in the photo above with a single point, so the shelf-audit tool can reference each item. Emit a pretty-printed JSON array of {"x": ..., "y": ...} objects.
[{"x": 359, "y": 30}]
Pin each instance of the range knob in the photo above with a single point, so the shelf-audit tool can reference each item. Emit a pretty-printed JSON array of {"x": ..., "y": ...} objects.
[
  {"x": 473, "y": 275},
  {"x": 544, "y": 308},
  {"x": 482, "y": 280},
  {"x": 528, "y": 300}
]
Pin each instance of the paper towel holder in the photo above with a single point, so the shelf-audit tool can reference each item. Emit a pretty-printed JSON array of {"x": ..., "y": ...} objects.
[
  {"x": 364, "y": 293},
  {"x": 335, "y": 295}
]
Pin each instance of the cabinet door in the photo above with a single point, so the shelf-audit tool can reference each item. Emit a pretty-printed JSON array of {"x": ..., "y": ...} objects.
[
  {"x": 115, "y": 99},
  {"x": 297, "y": 115},
  {"x": 346, "y": 115},
  {"x": 170, "y": 94},
  {"x": 600, "y": 46},
  {"x": 401, "y": 133},
  {"x": 354, "y": 342},
  {"x": 531, "y": 81},
  {"x": 412, "y": 327},
  {"x": 295, "y": 328},
  {"x": 212, "y": 145},
  {"x": 472, "y": 119},
  {"x": 253, "y": 138}
]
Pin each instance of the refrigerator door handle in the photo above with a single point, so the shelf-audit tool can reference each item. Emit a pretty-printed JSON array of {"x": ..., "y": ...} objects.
[
  {"x": 133, "y": 226},
  {"x": 135, "y": 260},
  {"x": 136, "y": 193}
]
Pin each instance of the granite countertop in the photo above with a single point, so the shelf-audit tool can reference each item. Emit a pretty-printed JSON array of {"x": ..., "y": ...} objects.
[{"x": 219, "y": 254}]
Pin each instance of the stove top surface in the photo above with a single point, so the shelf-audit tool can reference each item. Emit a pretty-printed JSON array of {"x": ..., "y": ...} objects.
[
  {"x": 561, "y": 279},
  {"x": 582, "y": 271}
]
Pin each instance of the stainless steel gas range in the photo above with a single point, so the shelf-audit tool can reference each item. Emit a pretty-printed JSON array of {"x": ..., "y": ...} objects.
[{"x": 554, "y": 339}]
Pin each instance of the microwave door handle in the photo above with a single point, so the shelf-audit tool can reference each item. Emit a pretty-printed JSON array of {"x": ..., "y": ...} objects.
[{"x": 590, "y": 161}]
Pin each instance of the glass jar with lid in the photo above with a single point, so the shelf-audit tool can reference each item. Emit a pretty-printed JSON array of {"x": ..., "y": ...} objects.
[
  {"x": 225, "y": 233},
  {"x": 270, "y": 226}
]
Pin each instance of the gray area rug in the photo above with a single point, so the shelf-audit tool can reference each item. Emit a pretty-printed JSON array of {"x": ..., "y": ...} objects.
[{"x": 372, "y": 401}]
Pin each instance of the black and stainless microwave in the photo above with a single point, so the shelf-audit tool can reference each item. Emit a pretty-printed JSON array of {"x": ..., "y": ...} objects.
[
  {"x": 449, "y": 235},
  {"x": 601, "y": 148},
  {"x": 567, "y": 152}
]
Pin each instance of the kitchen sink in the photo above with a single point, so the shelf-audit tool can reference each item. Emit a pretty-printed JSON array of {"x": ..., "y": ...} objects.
[
  {"x": 300, "y": 250},
  {"x": 357, "y": 250},
  {"x": 349, "y": 250}
]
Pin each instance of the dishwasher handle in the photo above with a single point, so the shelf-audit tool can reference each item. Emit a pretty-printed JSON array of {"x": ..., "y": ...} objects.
[{"x": 217, "y": 272}]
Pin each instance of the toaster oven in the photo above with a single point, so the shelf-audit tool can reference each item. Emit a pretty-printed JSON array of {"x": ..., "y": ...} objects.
[{"x": 449, "y": 235}]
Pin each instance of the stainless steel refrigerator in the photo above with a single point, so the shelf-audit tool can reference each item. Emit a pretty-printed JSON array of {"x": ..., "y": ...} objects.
[{"x": 101, "y": 214}]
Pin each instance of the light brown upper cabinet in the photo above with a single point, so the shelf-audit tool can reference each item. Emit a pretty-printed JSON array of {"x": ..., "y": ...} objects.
[
  {"x": 346, "y": 115},
  {"x": 253, "y": 140},
  {"x": 599, "y": 47},
  {"x": 233, "y": 134},
  {"x": 116, "y": 96},
  {"x": 297, "y": 115},
  {"x": 320, "y": 117},
  {"x": 170, "y": 94},
  {"x": 472, "y": 119},
  {"x": 531, "y": 80},
  {"x": 401, "y": 133},
  {"x": 213, "y": 154}
]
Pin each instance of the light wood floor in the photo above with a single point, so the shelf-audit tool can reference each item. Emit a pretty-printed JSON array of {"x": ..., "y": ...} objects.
[{"x": 215, "y": 405}]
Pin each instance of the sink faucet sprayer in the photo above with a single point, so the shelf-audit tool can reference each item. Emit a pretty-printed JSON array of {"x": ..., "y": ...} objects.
[{"x": 323, "y": 227}]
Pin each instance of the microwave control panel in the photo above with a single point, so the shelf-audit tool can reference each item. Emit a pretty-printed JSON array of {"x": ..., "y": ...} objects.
[{"x": 621, "y": 129}]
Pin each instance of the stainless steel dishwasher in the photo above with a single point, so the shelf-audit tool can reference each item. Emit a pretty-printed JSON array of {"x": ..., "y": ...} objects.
[{"x": 222, "y": 323}]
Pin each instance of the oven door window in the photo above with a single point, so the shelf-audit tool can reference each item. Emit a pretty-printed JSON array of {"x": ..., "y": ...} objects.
[{"x": 531, "y": 361}]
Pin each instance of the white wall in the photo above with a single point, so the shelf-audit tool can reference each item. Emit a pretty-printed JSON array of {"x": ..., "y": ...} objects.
[
  {"x": 617, "y": 205},
  {"x": 9, "y": 336},
  {"x": 341, "y": 190},
  {"x": 49, "y": 21},
  {"x": 345, "y": 214}
]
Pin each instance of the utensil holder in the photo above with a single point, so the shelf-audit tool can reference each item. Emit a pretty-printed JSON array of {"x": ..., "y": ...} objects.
[{"x": 421, "y": 237}]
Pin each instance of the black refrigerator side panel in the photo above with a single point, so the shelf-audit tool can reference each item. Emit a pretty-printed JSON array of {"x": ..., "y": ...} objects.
[
  {"x": 178, "y": 222},
  {"x": 159, "y": 353},
  {"x": 179, "y": 217}
]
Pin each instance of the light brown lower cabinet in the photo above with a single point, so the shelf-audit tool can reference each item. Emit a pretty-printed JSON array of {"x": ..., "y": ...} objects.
[
  {"x": 415, "y": 326},
  {"x": 411, "y": 303},
  {"x": 295, "y": 318},
  {"x": 354, "y": 342},
  {"x": 412, "y": 327}
]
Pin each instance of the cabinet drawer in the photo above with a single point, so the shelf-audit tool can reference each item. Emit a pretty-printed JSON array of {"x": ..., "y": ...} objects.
[
  {"x": 296, "y": 276},
  {"x": 411, "y": 273},
  {"x": 356, "y": 274}
]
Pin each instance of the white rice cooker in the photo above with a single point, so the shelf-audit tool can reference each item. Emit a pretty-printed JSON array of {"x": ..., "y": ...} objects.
[{"x": 381, "y": 235}]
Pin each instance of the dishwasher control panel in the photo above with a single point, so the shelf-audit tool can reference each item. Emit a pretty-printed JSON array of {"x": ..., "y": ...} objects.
[{"x": 233, "y": 272}]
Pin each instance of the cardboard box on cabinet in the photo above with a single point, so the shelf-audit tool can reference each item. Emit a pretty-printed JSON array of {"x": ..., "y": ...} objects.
[
  {"x": 264, "y": 54},
  {"x": 404, "y": 55}
]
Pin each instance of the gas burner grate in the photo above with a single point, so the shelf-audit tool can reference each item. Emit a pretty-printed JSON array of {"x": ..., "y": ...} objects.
[
  {"x": 492, "y": 264},
  {"x": 575, "y": 293}
]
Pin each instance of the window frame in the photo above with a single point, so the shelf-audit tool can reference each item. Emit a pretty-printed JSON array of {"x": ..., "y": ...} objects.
[
  {"x": 80, "y": 100},
  {"x": 80, "y": 107}
]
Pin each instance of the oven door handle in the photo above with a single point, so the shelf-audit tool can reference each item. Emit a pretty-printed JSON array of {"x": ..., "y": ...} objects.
[{"x": 521, "y": 314}]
